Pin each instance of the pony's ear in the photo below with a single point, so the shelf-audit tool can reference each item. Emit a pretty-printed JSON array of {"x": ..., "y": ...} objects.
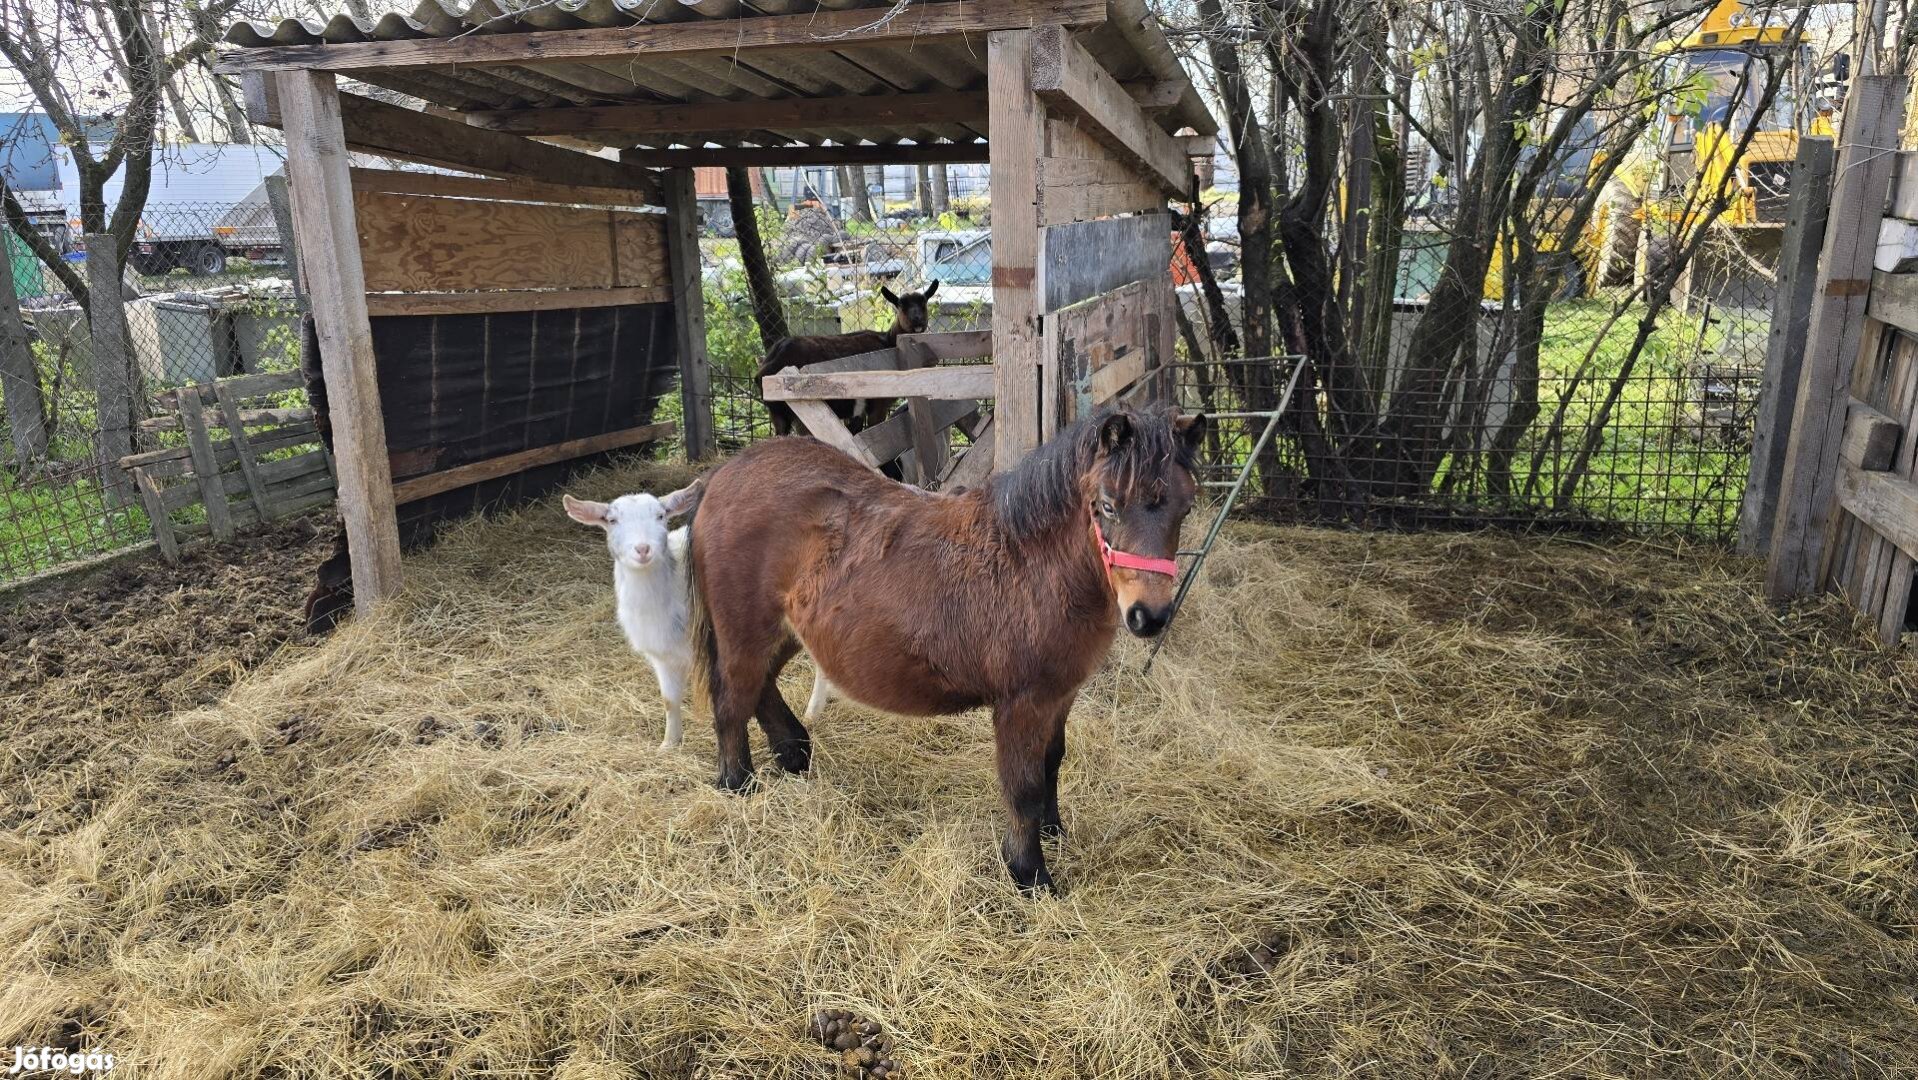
[
  {"x": 1190, "y": 429},
  {"x": 682, "y": 500},
  {"x": 890, "y": 298},
  {"x": 1115, "y": 432},
  {"x": 586, "y": 513},
  {"x": 932, "y": 288}
]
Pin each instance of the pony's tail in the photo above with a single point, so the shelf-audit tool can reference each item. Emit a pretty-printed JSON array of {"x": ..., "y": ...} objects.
[{"x": 699, "y": 622}]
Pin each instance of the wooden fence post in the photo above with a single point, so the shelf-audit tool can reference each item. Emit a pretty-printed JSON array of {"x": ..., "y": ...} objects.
[
  {"x": 281, "y": 204},
  {"x": 1867, "y": 156},
  {"x": 323, "y": 217},
  {"x": 1018, "y": 123},
  {"x": 113, "y": 380},
  {"x": 689, "y": 314},
  {"x": 1805, "y": 216},
  {"x": 19, "y": 375}
]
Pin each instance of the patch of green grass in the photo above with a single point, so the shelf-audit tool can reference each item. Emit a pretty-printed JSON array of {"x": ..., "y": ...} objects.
[{"x": 44, "y": 524}]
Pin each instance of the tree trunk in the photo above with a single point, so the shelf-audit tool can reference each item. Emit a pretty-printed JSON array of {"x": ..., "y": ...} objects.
[
  {"x": 238, "y": 128},
  {"x": 941, "y": 190},
  {"x": 113, "y": 382},
  {"x": 768, "y": 312},
  {"x": 19, "y": 375},
  {"x": 852, "y": 189}
]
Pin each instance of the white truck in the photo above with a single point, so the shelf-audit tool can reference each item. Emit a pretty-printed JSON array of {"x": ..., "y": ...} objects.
[{"x": 206, "y": 201}]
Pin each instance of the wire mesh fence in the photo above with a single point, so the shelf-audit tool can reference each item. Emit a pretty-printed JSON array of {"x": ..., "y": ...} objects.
[
  {"x": 205, "y": 295},
  {"x": 1609, "y": 402}
]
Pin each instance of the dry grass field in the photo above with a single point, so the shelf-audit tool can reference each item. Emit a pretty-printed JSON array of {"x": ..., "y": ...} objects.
[{"x": 1475, "y": 806}]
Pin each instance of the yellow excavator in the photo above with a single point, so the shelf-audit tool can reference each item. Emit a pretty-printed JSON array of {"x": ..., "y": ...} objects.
[{"x": 1724, "y": 67}]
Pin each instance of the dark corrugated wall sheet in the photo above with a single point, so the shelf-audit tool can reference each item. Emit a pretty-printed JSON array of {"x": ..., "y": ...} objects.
[{"x": 457, "y": 389}]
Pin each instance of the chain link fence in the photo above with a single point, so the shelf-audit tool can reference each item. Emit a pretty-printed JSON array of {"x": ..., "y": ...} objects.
[{"x": 206, "y": 294}]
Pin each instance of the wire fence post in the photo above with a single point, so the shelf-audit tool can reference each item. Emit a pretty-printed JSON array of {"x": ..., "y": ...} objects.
[{"x": 113, "y": 382}]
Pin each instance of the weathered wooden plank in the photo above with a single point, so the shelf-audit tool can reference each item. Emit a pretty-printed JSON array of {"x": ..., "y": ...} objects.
[
  {"x": 1904, "y": 188},
  {"x": 278, "y": 476},
  {"x": 245, "y": 386},
  {"x": 952, "y": 382},
  {"x": 323, "y": 216},
  {"x": 689, "y": 314},
  {"x": 1070, "y": 81},
  {"x": 1018, "y": 121},
  {"x": 1870, "y": 439},
  {"x": 498, "y": 300},
  {"x": 824, "y": 424},
  {"x": 416, "y": 488},
  {"x": 1802, "y": 533},
  {"x": 248, "y": 417},
  {"x": 752, "y": 157},
  {"x": 1081, "y": 189},
  {"x": 307, "y": 493},
  {"x": 398, "y": 182},
  {"x": 206, "y": 468},
  {"x": 1785, "y": 347},
  {"x": 923, "y": 419},
  {"x": 922, "y": 24},
  {"x": 163, "y": 534},
  {"x": 171, "y": 460},
  {"x": 910, "y": 110},
  {"x": 1885, "y": 503},
  {"x": 249, "y": 463},
  {"x": 892, "y": 436},
  {"x": 1114, "y": 378},
  {"x": 1086, "y": 259},
  {"x": 974, "y": 467},
  {"x": 952, "y": 344},
  {"x": 1894, "y": 300},
  {"x": 421, "y": 244}
]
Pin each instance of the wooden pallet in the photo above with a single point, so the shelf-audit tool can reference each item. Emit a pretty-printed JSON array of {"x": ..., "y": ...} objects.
[{"x": 242, "y": 465}]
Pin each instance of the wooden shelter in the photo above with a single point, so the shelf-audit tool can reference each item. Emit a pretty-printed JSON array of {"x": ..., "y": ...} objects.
[{"x": 1079, "y": 105}]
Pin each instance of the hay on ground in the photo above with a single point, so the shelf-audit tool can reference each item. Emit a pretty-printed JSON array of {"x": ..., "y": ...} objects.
[{"x": 1424, "y": 806}]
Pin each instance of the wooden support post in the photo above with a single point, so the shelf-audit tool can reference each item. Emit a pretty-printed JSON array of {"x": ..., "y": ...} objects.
[
  {"x": 249, "y": 458},
  {"x": 1807, "y": 508},
  {"x": 206, "y": 464},
  {"x": 156, "y": 513},
  {"x": 1018, "y": 124},
  {"x": 689, "y": 314},
  {"x": 322, "y": 197},
  {"x": 929, "y": 449},
  {"x": 113, "y": 381},
  {"x": 1785, "y": 350}
]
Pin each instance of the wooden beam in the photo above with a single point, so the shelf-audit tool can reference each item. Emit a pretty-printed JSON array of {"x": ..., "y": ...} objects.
[
  {"x": 1886, "y": 504},
  {"x": 1871, "y": 438},
  {"x": 322, "y": 190},
  {"x": 952, "y": 344},
  {"x": 1805, "y": 215},
  {"x": 1157, "y": 97},
  {"x": 934, "y": 153},
  {"x": 895, "y": 435},
  {"x": 1874, "y": 114},
  {"x": 951, "y": 107},
  {"x": 1080, "y": 189},
  {"x": 1019, "y": 141},
  {"x": 813, "y": 31},
  {"x": 416, "y": 488},
  {"x": 824, "y": 424},
  {"x": 1894, "y": 300},
  {"x": 689, "y": 313},
  {"x": 397, "y": 182},
  {"x": 375, "y": 127},
  {"x": 1071, "y": 82},
  {"x": 481, "y": 303},
  {"x": 969, "y": 382}
]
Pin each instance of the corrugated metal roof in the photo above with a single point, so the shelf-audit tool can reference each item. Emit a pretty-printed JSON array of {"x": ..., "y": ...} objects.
[{"x": 853, "y": 70}]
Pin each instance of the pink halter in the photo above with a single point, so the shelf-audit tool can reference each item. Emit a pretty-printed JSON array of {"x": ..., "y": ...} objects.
[{"x": 1125, "y": 559}]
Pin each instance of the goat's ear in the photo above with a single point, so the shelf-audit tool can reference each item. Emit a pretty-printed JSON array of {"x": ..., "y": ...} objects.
[
  {"x": 932, "y": 288},
  {"x": 1115, "y": 432},
  {"x": 1190, "y": 429},
  {"x": 586, "y": 513},
  {"x": 684, "y": 499},
  {"x": 890, "y": 298}
]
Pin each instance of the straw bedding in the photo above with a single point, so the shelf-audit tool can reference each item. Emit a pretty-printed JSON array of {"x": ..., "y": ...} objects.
[{"x": 1465, "y": 806}]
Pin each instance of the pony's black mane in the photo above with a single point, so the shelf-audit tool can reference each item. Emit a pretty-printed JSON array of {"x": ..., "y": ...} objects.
[{"x": 1044, "y": 489}]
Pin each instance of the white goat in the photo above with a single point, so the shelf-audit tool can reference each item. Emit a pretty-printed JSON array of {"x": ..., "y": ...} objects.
[
  {"x": 649, "y": 590},
  {"x": 649, "y": 584}
]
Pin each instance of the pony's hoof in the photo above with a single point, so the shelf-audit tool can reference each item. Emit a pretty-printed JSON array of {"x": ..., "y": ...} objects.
[
  {"x": 1052, "y": 830},
  {"x": 1033, "y": 880},
  {"x": 669, "y": 745},
  {"x": 737, "y": 781},
  {"x": 795, "y": 757}
]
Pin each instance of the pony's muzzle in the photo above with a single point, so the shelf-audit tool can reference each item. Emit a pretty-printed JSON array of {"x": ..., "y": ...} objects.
[{"x": 1146, "y": 621}]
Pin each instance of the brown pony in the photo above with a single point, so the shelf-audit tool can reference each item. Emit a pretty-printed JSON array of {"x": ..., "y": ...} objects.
[
  {"x": 908, "y": 317},
  {"x": 920, "y": 604}
]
